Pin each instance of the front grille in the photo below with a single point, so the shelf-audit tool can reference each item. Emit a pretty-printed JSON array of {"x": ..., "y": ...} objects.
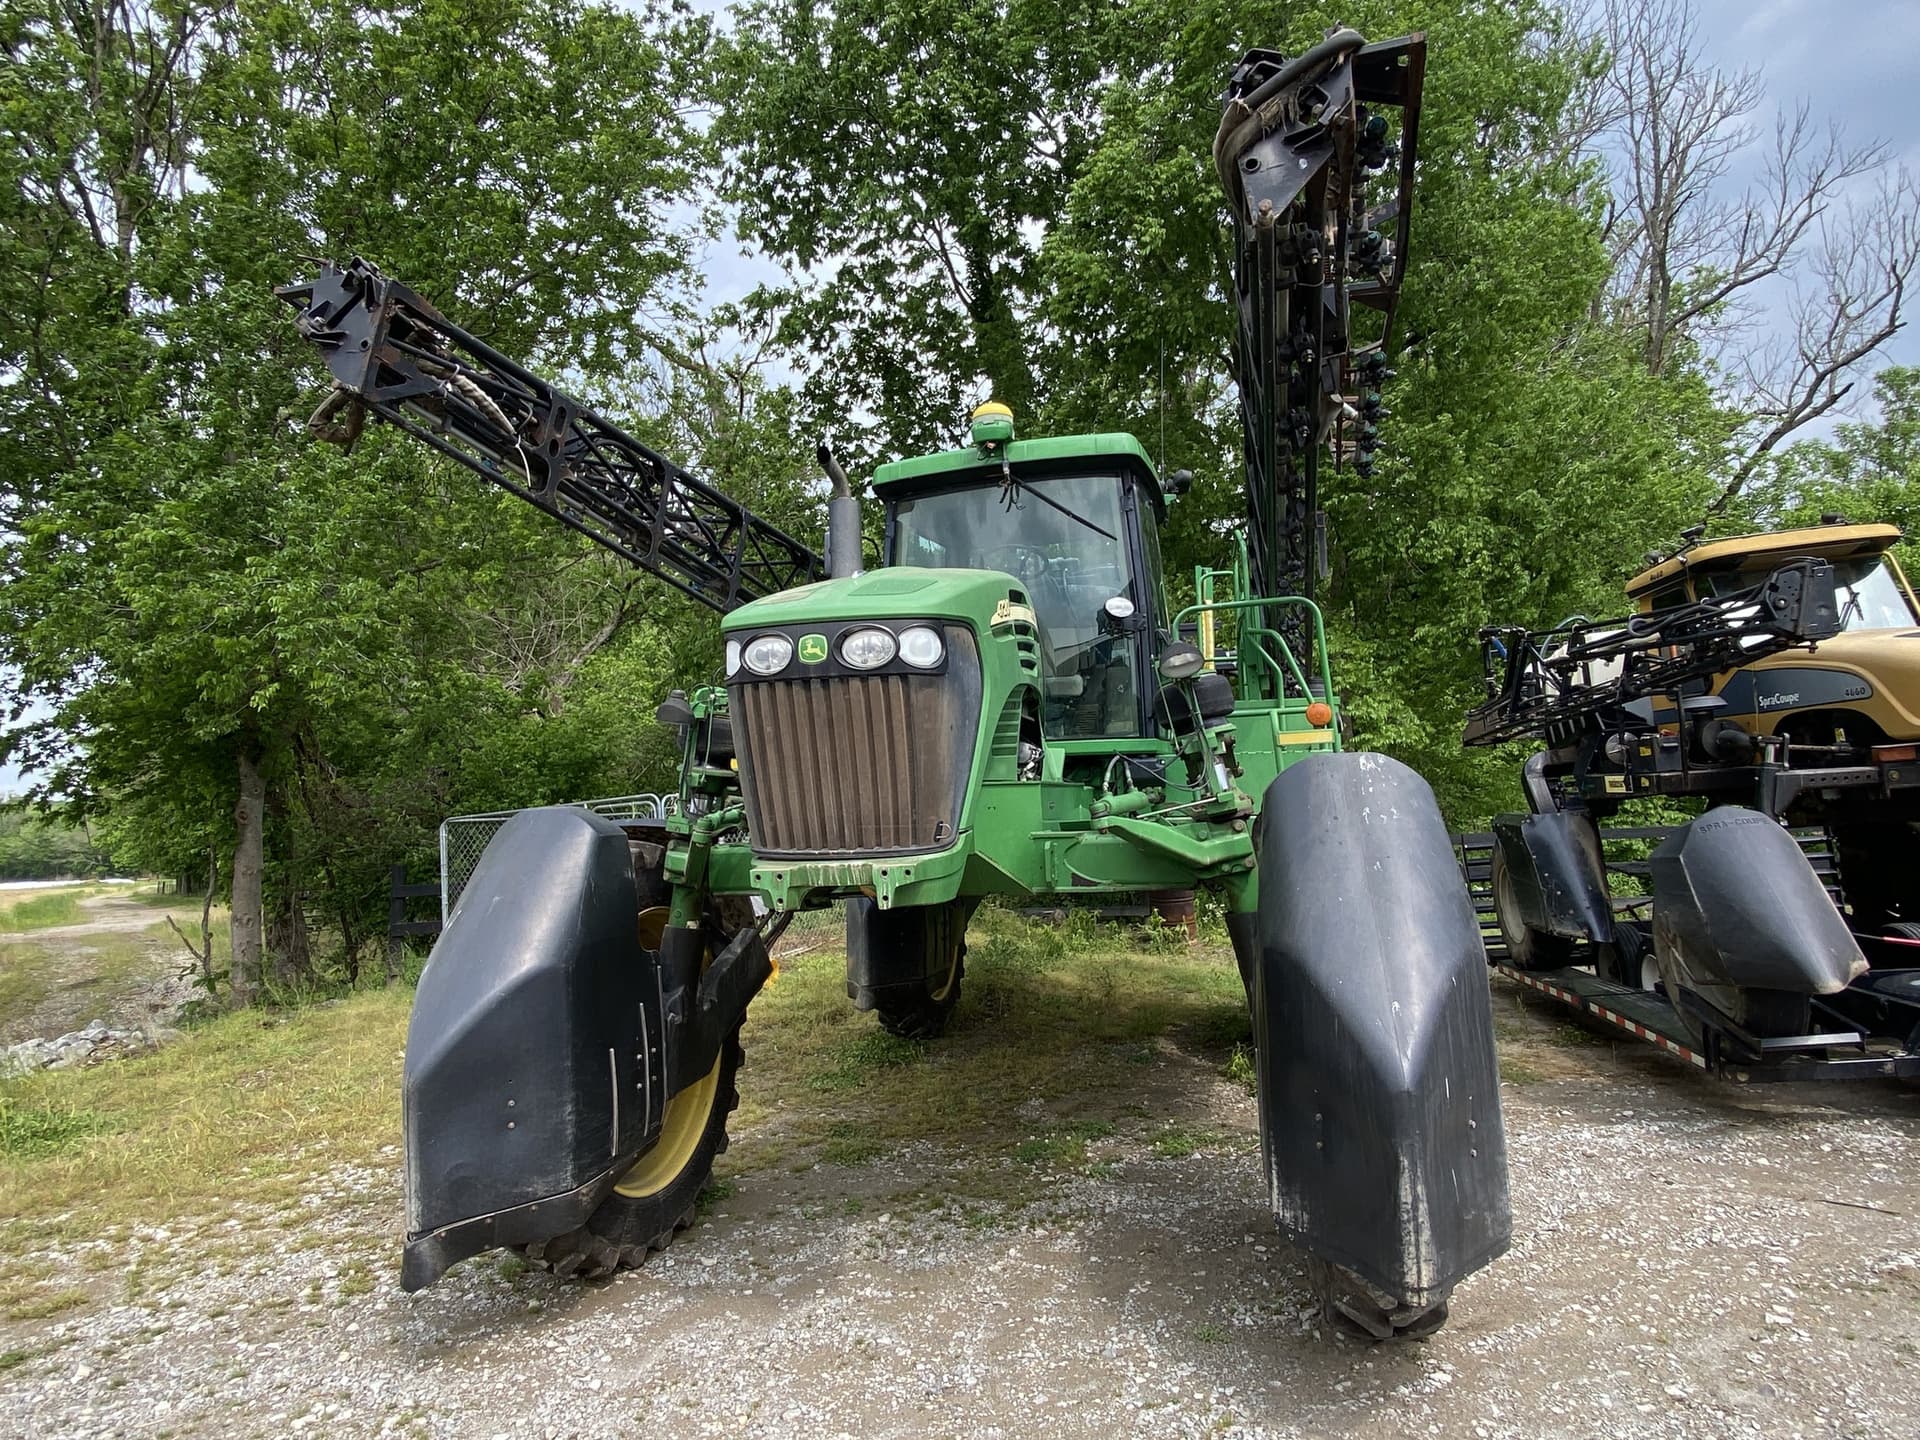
[{"x": 858, "y": 764}]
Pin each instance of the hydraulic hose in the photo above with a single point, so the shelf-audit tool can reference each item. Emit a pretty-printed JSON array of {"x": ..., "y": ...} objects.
[{"x": 1251, "y": 116}]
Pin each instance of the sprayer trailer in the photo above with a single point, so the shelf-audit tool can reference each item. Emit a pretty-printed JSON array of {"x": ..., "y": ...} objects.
[{"x": 1869, "y": 1029}]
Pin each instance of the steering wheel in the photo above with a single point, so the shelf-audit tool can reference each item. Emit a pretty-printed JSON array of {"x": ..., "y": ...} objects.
[{"x": 1030, "y": 562}]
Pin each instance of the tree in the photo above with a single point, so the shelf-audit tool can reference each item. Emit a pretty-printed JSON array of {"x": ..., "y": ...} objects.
[
  {"x": 1868, "y": 471},
  {"x": 905, "y": 160},
  {"x": 1694, "y": 263},
  {"x": 213, "y": 605}
]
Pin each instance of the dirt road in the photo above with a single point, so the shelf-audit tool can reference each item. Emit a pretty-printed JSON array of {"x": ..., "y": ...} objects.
[
  {"x": 1690, "y": 1260},
  {"x": 119, "y": 964}
]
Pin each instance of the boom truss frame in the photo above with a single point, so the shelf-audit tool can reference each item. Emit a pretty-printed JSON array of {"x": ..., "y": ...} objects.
[
  {"x": 393, "y": 354},
  {"x": 1584, "y": 674}
]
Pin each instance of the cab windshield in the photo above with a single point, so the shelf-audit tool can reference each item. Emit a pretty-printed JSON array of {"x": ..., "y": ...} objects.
[
  {"x": 1865, "y": 590},
  {"x": 1064, "y": 539}
]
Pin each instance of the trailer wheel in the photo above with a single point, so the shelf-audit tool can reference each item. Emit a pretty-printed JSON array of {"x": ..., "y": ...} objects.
[
  {"x": 1527, "y": 948},
  {"x": 1629, "y": 959},
  {"x": 1765, "y": 1013}
]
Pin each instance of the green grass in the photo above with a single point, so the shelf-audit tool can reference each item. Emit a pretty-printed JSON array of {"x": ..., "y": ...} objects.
[
  {"x": 41, "y": 911},
  {"x": 1516, "y": 1071},
  {"x": 1177, "y": 1142},
  {"x": 1060, "y": 1151},
  {"x": 716, "y": 1194},
  {"x": 245, "y": 1108},
  {"x": 23, "y": 1299},
  {"x": 1047, "y": 1013},
  {"x": 35, "y": 1131}
]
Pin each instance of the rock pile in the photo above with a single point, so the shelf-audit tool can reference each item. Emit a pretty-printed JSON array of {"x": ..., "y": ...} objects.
[{"x": 89, "y": 1046}]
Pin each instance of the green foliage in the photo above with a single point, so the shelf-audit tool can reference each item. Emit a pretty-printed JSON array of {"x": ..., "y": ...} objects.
[
  {"x": 185, "y": 578},
  {"x": 49, "y": 847},
  {"x": 1868, "y": 471},
  {"x": 907, "y": 155}
]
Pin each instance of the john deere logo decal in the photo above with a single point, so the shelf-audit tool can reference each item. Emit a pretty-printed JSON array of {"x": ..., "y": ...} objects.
[{"x": 813, "y": 649}]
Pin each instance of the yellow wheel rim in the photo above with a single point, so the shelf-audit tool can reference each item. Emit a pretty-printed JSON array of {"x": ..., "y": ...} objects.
[
  {"x": 953, "y": 977},
  {"x": 687, "y": 1113}
]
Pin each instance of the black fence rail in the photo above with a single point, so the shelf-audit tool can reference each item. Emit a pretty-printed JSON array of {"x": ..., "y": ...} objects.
[{"x": 402, "y": 925}]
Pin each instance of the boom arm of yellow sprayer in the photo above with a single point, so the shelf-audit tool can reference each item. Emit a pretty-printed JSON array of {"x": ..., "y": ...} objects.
[{"x": 1585, "y": 672}]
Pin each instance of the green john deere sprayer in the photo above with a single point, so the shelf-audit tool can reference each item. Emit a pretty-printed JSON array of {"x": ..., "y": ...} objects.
[{"x": 1007, "y": 707}]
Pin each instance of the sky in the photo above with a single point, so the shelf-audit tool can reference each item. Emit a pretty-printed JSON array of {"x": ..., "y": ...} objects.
[{"x": 1853, "y": 63}]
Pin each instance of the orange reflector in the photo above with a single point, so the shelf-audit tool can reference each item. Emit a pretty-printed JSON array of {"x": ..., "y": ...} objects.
[
  {"x": 1896, "y": 752},
  {"x": 1319, "y": 714}
]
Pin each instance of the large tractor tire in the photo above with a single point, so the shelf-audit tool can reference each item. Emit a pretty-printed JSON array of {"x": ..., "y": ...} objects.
[
  {"x": 908, "y": 964},
  {"x": 657, "y": 1197},
  {"x": 548, "y": 1103}
]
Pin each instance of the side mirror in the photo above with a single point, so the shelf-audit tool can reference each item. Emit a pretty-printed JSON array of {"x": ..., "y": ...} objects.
[{"x": 1178, "y": 483}]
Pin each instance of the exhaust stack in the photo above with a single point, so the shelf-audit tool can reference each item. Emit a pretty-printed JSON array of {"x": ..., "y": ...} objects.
[{"x": 843, "y": 520}]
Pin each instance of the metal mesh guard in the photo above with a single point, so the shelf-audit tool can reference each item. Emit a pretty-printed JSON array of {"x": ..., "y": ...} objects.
[{"x": 464, "y": 838}]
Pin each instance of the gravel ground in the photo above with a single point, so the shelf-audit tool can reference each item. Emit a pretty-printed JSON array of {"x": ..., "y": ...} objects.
[{"x": 1690, "y": 1259}]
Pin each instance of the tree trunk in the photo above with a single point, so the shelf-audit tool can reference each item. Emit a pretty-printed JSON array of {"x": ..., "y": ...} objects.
[
  {"x": 249, "y": 862},
  {"x": 288, "y": 945},
  {"x": 288, "y": 954}
]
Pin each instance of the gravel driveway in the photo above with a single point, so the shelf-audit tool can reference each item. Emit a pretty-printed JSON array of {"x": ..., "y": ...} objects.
[{"x": 1690, "y": 1259}]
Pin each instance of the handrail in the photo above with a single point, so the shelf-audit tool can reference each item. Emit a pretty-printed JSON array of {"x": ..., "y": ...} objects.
[{"x": 1257, "y": 633}]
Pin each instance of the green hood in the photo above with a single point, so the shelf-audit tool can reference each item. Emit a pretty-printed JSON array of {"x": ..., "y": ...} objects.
[{"x": 900, "y": 592}]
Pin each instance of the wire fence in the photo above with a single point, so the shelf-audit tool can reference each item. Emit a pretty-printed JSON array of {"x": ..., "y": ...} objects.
[{"x": 464, "y": 838}]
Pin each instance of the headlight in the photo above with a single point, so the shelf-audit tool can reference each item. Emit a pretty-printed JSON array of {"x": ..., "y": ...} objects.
[
  {"x": 768, "y": 654},
  {"x": 921, "y": 648},
  {"x": 867, "y": 649},
  {"x": 733, "y": 658}
]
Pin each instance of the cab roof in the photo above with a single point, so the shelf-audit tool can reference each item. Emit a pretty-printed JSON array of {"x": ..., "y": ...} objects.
[
  {"x": 1054, "y": 454},
  {"x": 1829, "y": 542}
]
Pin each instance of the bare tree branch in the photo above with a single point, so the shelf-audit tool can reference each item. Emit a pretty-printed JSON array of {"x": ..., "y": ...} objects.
[
  {"x": 1855, "y": 306},
  {"x": 1704, "y": 269}
]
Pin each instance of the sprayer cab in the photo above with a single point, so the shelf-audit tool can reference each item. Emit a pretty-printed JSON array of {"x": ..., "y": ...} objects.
[{"x": 1074, "y": 522}]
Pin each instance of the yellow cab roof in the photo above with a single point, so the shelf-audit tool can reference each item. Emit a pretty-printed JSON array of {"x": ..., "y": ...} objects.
[{"x": 1829, "y": 542}]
